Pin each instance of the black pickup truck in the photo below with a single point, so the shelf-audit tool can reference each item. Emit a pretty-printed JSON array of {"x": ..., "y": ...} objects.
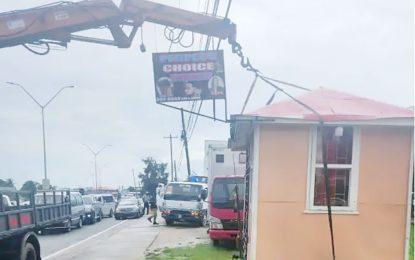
[{"x": 21, "y": 218}]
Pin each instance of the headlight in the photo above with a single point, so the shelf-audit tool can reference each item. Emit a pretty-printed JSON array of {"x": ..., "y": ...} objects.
[
  {"x": 195, "y": 213},
  {"x": 215, "y": 223}
]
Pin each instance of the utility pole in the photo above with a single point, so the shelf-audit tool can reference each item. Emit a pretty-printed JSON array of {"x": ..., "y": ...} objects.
[
  {"x": 96, "y": 153},
  {"x": 45, "y": 181},
  {"x": 171, "y": 154},
  {"x": 184, "y": 138}
]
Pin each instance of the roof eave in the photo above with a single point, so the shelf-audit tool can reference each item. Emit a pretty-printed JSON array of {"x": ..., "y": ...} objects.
[{"x": 396, "y": 121}]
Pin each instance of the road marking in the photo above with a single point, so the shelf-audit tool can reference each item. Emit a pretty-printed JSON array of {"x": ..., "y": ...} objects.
[{"x": 82, "y": 241}]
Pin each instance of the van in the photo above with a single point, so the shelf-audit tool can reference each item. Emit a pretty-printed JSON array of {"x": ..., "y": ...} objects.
[
  {"x": 107, "y": 204},
  {"x": 77, "y": 209}
]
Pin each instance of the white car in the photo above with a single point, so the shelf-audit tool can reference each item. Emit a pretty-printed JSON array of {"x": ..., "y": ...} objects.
[{"x": 107, "y": 204}]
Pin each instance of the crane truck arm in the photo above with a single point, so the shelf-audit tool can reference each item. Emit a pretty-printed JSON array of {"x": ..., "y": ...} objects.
[{"x": 57, "y": 23}]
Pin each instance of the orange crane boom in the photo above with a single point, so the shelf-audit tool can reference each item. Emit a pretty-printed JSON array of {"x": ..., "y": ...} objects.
[{"x": 57, "y": 23}]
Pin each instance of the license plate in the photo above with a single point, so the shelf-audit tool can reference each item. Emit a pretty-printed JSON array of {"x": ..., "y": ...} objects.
[{"x": 179, "y": 216}]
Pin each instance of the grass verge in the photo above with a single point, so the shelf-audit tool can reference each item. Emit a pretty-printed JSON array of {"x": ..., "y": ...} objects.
[{"x": 198, "y": 252}]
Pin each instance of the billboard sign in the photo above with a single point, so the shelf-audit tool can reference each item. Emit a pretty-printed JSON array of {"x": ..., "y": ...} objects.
[{"x": 187, "y": 76}]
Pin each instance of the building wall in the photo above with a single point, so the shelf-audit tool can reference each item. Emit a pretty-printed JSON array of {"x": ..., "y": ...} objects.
[{"x": 286, "y": 232}]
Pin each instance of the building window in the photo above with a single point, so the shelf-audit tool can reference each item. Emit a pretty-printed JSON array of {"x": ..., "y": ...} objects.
[
  {"x": 242, "y": 158},
  {"x": 342, "y": 151},
  {"x": 220, "y": 158}
]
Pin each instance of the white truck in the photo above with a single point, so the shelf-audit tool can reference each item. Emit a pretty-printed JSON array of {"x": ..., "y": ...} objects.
[
  {"x": 221, "y": 161},
  {"x": 185, "y": 202}
]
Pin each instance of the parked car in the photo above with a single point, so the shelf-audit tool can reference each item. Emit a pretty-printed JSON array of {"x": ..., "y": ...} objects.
[
  {"x": 93, "y": 210},
  {"x": 77, "y": 209},
  {"x": 107, "y": 204},
  {"x": 129, "y": 208}
]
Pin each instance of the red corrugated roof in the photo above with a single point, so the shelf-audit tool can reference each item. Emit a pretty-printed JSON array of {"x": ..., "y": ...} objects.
[{"x": 333, "y": 106}]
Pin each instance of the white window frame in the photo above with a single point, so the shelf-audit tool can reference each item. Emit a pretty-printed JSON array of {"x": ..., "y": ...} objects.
[{"x": 353, "y": 177}]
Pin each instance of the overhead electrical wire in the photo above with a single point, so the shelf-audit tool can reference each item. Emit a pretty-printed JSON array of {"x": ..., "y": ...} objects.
[
  {"x": 46, "y": 49},
  {"x": 191, "y": 127}
]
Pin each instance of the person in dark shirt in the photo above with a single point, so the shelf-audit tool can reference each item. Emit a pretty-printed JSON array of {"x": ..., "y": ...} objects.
[
  {"x": 146, "y": 199},
  {"x": 153, "y": 211}
]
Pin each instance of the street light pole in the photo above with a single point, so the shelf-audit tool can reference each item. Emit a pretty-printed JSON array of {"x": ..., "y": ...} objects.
[
  {"x": 96, "y": 153},
  {"x": 45, "y": 181}
]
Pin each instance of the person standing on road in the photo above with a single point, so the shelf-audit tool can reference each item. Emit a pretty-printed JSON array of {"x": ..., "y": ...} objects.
[
  {"x": 146, "y": 199},
  {"x": 153, "y": 211}
]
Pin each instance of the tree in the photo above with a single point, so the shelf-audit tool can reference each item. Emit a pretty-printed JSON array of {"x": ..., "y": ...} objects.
[
  {"x": 154, "y": 173},
  {"x": 7, "y": 183},
  {"x": 30, "y": 186}
]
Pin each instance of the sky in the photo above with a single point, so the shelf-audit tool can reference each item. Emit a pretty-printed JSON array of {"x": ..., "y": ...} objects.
[{"x": 363, "y": 47}]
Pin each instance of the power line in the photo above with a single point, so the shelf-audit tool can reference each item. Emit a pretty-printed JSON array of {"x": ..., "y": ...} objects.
[{"x": 286, "y": 83}]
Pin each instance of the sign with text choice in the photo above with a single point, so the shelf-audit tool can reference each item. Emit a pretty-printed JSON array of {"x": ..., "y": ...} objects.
[{"x": 187, "y": 76}]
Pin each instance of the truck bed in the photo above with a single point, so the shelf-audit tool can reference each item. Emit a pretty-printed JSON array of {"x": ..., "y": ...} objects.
[{"x": 15, "y": 219}]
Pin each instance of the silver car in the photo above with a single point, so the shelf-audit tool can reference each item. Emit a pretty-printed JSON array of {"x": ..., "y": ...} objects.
[
  {"x": 93, "y": 209},
  {"x": 129, "y": 207}
]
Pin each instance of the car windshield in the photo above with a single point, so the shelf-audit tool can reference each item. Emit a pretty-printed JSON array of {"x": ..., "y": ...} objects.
[
  {"x": 224, "y": 195},
  {"x": 87, "y": 200},
  {"x": 182, "y": 191},
  {"x": 108, "y": 198}
]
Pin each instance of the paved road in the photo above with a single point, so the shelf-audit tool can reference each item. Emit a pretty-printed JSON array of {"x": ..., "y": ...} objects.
[
  {"x": 112, "y": 239},
  {"x": 55, "y": 241}
]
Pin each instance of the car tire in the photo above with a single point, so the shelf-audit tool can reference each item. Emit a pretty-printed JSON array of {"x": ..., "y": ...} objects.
[
  {"x": 69, "y": 227},
  {"x": 215, "y": 242},
  {"x": 169, "y": 222},
  {"x": 80, "y": 224},
  {"x": 111, "y": 213},
  {"x": 117, "y": 218},
  {"x": 93, "y": 219},
  {"x": 28, "y": 252}
]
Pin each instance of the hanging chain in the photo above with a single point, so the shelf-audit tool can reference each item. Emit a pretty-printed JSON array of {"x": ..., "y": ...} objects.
[{"x": 245, "y": 63}]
